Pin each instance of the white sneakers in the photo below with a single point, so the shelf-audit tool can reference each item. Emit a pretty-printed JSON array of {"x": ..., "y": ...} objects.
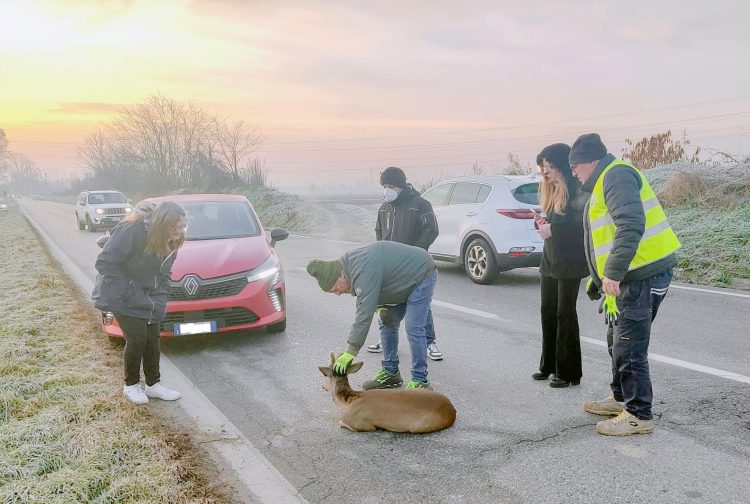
[
  {"x": 134, "y": 394},
  {"x": 159, "y": 391},
  {"x": 137, "y": 395}
]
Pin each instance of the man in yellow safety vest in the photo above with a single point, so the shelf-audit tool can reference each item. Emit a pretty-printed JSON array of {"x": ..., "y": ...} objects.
[{"x": 630, "y": 249}]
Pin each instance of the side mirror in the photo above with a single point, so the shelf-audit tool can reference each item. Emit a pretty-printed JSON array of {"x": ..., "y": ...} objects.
[
  {"x": 278, "y": 234},
  {"x": 102, "y": 240}
]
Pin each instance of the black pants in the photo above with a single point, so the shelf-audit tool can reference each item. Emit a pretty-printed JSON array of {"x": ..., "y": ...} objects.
[
  {"x": 561, "y": 344},
  {"x": 141, "y": 344},
  {"x": 628, "y": 342}
]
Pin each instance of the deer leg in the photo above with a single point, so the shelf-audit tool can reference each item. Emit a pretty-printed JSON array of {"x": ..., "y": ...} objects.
[
  {"x": 358, "y": 428},
  {"x": 342, "y": 424}
]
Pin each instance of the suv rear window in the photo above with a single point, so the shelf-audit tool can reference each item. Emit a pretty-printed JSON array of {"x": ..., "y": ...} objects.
[
  {"x": 527, "y": 193},
  {"x": 105, "y": 198}
]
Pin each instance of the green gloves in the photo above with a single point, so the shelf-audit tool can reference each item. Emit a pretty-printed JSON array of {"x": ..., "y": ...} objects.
[
  {"x": 339, "y": 367},
  {"x": 609, "y": 307}
]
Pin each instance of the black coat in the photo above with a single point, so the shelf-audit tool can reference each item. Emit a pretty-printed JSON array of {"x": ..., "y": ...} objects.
[
  {"x": 408, "y": 219},
  {"x": 564, "y": 256},
  {"x": 131, "y": 282}
]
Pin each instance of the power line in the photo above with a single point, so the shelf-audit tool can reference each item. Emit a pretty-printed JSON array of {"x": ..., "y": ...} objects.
[{"x": 454, "y": 132}]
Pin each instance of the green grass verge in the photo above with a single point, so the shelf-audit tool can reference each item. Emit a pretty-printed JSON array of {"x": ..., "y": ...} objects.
[
  {"x": 715, "y": 243},
  {"x": 66, "y": 432}
]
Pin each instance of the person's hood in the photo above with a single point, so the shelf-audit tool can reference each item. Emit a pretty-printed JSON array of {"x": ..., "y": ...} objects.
[
  {"x": 145, "y": 210},
  {"x": 406, "y": 194}
]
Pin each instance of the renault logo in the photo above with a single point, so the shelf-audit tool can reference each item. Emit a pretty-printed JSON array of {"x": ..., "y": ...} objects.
[{"x": 191, "y": 285}]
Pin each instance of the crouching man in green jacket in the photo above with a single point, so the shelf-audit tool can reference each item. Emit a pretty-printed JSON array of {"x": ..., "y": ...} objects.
[{"x": 397, "y": 281}]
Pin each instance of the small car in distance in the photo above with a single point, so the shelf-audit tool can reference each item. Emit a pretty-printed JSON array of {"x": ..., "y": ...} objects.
[
  {"x": 3, "y": 206},
  {"x": 100, "y": 209}
]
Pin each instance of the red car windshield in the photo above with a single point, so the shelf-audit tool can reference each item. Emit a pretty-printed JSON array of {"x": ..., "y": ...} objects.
[{"x": 217, "y": 220}]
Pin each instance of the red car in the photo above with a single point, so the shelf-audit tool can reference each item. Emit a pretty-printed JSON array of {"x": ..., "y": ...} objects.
[{"x": 226, "y": 276}]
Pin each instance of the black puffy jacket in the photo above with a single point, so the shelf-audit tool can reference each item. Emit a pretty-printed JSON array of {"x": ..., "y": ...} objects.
[
  {"x": 564, "y": 255},
  {"x": 131, "y": 282},
  {"x": 408, "y": 219}
]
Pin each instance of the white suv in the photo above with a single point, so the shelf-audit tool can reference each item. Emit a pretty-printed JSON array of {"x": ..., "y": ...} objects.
[
  {"x": 101, "y": 209},
  {"x": 486, "y": 223}
]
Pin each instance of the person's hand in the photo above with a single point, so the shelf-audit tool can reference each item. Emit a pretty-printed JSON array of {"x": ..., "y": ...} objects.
[
  {"x": 539, "y": 219},
  {"x": 592, "y": 290},
  {"x": 545, "y": 231},
  {"x": 339, "y": 367},
  {"x": 610, "y": 287}
]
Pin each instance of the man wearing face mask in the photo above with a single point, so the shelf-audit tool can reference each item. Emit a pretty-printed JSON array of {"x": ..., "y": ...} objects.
[{"x": 405, "y": 217}]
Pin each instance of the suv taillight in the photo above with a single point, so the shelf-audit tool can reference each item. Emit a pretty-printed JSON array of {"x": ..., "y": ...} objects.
[{"x": 518, "y": 213}]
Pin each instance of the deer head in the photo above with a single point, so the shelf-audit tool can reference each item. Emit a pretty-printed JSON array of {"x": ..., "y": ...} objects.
[{"x": 333, "y": 378}]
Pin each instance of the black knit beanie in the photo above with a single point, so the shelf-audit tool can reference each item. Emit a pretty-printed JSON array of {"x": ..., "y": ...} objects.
[
  {"x": 587, "y": 148},
  {"x": 557, "y": 155},
  {"x": 393, "y": 176}
]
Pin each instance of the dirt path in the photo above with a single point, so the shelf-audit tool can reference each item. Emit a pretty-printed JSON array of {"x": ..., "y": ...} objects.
[{"x": 342, "y": 220}]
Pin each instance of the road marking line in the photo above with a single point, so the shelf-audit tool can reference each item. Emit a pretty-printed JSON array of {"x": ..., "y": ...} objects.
[
  {"x": 470, "y": 311},
  {"x": 683, "y": 364},
  {"x": 735, "y": 294},
  {"x": 252, "y": 467}
]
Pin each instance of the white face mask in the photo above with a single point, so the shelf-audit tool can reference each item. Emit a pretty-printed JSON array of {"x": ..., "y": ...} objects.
[{"x": 390, "y": 194}]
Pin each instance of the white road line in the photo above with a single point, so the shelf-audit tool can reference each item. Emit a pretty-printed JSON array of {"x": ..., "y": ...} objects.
[
  {"x": 470, "y": 311},
  {"x": 252, "y": 468},
  {"x": 683, "y": 364},
  {"x": 735, "y": 294}
]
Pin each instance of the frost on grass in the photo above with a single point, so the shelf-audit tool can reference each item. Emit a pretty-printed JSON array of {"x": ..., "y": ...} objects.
[
  {"x": 66, "y": 433},
  {"x": 709, "y": 209}
]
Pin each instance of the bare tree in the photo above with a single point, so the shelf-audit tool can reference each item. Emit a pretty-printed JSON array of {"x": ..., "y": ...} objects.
[
  {"x": 162, "y": 144},
  {"x": 24, "y": 175},
  {"x": 3, "y": 155},
  {"x": 515, "y": 167},
  {"x": 235, "y": 141}
]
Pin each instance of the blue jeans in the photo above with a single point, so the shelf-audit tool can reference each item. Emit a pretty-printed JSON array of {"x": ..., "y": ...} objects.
[
  {"x": 416, "y": 311},
  {"x": 628, "y": 342}
]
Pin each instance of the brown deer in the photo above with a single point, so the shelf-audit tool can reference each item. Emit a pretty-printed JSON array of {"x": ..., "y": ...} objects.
[{"x": 416, "y": 411}]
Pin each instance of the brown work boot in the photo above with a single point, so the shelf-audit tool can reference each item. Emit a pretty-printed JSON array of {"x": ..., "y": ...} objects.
[
  {"x": 606, "y": 407},
  {"x": 624, "y": 424}
]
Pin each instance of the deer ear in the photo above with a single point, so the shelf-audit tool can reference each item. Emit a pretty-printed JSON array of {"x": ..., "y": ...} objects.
[
  {"x": 354, "y": 367},
  {"x": 333, "y": 358},
  {"x": 325, "y": 370}
]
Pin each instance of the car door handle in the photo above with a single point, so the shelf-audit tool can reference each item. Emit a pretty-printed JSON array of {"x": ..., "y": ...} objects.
[{"x": 471, "y": 214}]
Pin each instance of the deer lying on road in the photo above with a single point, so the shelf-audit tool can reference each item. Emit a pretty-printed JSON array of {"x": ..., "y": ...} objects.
[{"x": 416, "y": 411}]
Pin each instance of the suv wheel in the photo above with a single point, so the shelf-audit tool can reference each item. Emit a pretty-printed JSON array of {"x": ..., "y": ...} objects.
[
  {"x": 92, "y": 227},
  {"x": 81, "y": 227},
  {"x": 479, "y": 262}
]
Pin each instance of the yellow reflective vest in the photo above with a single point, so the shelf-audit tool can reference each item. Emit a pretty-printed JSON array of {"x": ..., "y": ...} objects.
[{"x": 658, "y": 240}]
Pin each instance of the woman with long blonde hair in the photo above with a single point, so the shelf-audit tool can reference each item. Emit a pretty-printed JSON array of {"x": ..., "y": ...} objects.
[
  {"x": 133, "y": 283},
  {"x": 562, "y": 268}
]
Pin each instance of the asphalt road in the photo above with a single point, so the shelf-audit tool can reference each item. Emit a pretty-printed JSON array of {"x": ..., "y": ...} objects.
[{"x": 515, "y": 440}]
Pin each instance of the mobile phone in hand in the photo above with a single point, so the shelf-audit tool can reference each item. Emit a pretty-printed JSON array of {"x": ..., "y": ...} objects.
[{"x": 539, "y": 218}]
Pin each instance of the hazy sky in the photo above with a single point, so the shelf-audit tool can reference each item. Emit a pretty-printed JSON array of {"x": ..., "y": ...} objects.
[{"x": 341, "y": 90}]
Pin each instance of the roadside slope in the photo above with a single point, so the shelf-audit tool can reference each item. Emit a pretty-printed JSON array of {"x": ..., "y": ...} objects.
[{"x": 66, "y": 434}]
